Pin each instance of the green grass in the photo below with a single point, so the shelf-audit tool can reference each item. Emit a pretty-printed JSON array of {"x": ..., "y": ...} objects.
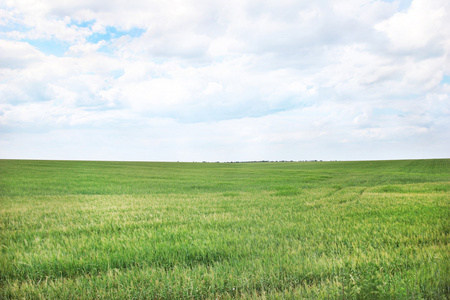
[{"x": 316, "y": 230}]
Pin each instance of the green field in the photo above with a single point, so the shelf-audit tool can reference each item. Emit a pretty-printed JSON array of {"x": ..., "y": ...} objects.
[{"x": 135, "y": 230}]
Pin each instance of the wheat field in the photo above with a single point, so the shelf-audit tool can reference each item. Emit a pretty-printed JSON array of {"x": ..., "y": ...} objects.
[{"x": 286, "y": 230}]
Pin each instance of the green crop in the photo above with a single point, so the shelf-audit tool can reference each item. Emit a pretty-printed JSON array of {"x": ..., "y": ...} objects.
[{"x": 137, "y": 230}]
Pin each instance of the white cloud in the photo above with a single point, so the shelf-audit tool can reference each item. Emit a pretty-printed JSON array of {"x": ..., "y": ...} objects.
[
  {"x": 226, "y": 80},
  {"x": 212, "y": 88},
  {"x": 423, "y": 25},
  {"x": 17, "y": 54}
]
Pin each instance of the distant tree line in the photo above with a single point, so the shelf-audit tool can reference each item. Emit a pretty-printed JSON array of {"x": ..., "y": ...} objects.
[{"x": 262, "y": 161}]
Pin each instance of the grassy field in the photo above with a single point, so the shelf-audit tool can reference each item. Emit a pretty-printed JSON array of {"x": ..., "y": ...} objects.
[{"x": 314, "y": 230}]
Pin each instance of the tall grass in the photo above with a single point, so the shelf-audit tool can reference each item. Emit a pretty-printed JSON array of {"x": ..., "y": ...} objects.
[{"x": 102, "y": 230}]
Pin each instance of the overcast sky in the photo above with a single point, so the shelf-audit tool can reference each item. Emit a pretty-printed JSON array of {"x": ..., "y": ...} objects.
[{"x": 194, "y": 80}]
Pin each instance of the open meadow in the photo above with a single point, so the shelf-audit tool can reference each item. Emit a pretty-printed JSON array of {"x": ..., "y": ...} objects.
[{"x": 148, "y": 230}]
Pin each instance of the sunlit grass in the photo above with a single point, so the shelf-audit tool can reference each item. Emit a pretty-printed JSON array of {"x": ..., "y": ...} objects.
[{"x": 104, "y": 230}]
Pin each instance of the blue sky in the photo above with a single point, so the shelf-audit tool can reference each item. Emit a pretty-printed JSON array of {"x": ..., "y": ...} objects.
[{"x": 224, "y": 80}]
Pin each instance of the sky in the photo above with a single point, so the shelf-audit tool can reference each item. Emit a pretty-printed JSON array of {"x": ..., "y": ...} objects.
[{"x": 224, "y": 80}]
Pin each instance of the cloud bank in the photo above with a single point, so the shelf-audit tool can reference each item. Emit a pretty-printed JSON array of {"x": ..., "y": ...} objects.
[{"x": 224, "y": 80}]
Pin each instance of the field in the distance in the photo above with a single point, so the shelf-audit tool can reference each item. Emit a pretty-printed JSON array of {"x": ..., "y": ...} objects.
[{"x": 102, "y": 230}]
